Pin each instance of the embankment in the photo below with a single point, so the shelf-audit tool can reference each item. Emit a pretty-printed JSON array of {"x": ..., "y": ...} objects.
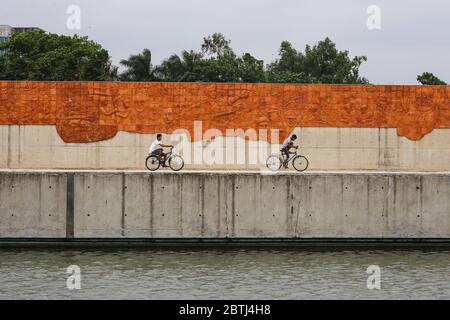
[{"x": 223, "y": 206}]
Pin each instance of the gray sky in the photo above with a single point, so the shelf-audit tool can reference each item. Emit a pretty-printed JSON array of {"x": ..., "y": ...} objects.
[{"x": 414, "y": 35}]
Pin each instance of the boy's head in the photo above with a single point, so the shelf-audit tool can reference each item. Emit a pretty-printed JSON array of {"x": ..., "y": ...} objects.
[
  {"x": 293, "y": 137},
  {"x": 159, "y": 136}
]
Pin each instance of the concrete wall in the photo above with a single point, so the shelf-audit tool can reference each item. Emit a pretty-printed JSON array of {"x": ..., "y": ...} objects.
[
  {"x": 223, "y": 205},
  {"x": 40, "y": 147},
  {"x": 32, "y": 205}
]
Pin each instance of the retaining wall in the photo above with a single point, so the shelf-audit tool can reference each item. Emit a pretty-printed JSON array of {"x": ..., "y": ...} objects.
[{"x": 121, "y": 205}]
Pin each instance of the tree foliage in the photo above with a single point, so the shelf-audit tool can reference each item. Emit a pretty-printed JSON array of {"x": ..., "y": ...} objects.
[
  {"x": 427, "y": 78},
  {"x": 215, "y": 62},
  {"x": 322, "y": 63},
  {"x": 38, "y": 55},
  {"x": 139, "y": 67}
]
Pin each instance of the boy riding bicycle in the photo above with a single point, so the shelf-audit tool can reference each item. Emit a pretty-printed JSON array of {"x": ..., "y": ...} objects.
[
  {"x": 285, "y": 147},
  {"x": 156, "y": 149}
]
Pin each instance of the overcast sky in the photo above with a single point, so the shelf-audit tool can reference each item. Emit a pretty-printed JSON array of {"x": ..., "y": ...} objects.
[{"x": 414, "y": 35}]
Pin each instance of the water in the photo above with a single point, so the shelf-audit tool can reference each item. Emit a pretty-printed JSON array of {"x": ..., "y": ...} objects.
[{"x": 224, "y": 274}]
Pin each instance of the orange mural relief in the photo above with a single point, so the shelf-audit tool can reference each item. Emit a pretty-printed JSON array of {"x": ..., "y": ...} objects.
[{"x": 94, "y": 111}]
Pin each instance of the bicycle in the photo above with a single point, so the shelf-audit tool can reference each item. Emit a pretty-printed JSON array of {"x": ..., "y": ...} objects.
[
  {"x": 299, "y": 162},
  {"x": 176, "y": 162}
]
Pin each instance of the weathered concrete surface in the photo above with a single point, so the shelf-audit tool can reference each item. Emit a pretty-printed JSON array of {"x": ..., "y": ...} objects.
[
  {"x": 220, "y": 205},
  {"x": 32, "y": 205},
  {"x": 40, "y": 147}
]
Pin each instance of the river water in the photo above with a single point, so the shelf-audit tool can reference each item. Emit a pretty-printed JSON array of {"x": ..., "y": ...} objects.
[{"x": 236, "y": 273}]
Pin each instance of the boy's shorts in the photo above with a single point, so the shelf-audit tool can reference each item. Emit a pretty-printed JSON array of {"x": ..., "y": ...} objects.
[
  {"x": 285, "y": 151},
  {"x": 157, "y": 152}
]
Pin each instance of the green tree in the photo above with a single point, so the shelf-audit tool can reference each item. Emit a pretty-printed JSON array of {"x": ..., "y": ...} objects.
[
  {"x": 216, "y": 45},
  {"x": 38, "y": 55},
  {"x": 139, "y": 67},
  {"x": 2, "y": 65},
  {"x": 219, "y": 63},
  {"x": 427, "y": 78},
  {"x": 215, "y": 62},
  {"x": 184, "y": 68},
  {"x": 290, "y": 62},
  {"x": 250, "y": 69},
  {"x": 322, "y": 63}
]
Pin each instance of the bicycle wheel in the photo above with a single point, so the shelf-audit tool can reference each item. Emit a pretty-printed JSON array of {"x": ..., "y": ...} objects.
[
  {"x": 152, "y": 163},
  {"x": 176, "y": 163},
  {"x": 300, "y": 163},
  {"x": 274, "y": 163}
]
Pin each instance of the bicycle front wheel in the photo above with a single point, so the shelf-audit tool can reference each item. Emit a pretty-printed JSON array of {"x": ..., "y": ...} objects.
[
  {"x": 176, "y": 163},
  {"x": 152, "y": 163},
  {"x": 300, "y": 163},
  {"x": 274, "y": 163}
]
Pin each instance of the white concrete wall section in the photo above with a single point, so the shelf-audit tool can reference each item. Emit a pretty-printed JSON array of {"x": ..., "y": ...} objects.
[
  {"x": 124, "y": 205},
  {"x": 40, "y": 147},
  {"x": 32, "y": 205}
]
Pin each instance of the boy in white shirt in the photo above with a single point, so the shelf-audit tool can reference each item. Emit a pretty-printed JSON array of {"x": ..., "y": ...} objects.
[
  {"x": 288, "y": 144},
  {"x": 156, "y": 149}
]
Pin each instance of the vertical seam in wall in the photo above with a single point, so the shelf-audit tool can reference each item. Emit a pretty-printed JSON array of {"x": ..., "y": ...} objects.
[
  {"x": 122, "y": 232},
  {"x": 180, "y": 192},
  {"x": 289, "y": 206},
  {"x": 421, "y": 202},
  {"x": 367, "y": 209},
  {"x": 70, "y": 205},
  {"x": 219, "y": 206},
  {"x": 202, "y": 181},
  {"x": 394, "y": 203},
  {"x": 343, "y": 208},
  {"x": 151, "y": 204},
  {"x": 387, "y": 203},
  {"x": 41, "y": 178},
  {"x": 233, "y": 208}
]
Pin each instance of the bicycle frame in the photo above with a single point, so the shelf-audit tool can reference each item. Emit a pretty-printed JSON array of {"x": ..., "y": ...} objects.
[
  {"x": 166, "y": 157},
  {"x": 294, "y": 154}
]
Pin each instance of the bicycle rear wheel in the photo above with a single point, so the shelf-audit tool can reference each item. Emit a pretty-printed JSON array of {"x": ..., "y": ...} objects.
[
  {"x": 176, "y": 163},
  {"x": 274, "y": 163},
  {"x": 300, "y": 163},
  {"x": 152, "y": 163}
]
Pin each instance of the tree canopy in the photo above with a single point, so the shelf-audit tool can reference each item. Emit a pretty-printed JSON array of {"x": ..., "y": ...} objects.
[
  {"x": 139, "y": 67},
  {"x": 215, "y": 62},
  {"x": 322, "y": 63},
  {"x": 38, "y": 55},
  {"x": 427, "y": 78}
]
